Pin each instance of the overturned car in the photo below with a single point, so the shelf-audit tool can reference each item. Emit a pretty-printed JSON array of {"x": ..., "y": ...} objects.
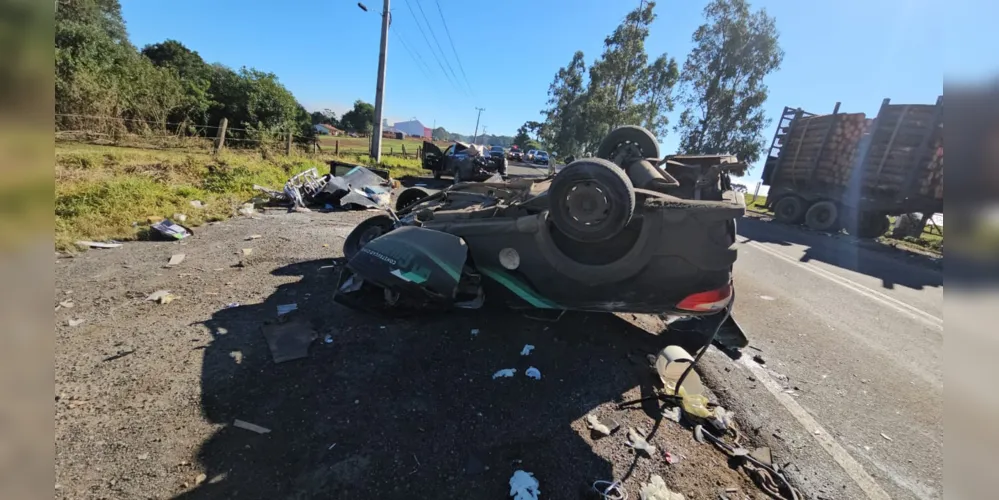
[{"x": 623, "y": 232}]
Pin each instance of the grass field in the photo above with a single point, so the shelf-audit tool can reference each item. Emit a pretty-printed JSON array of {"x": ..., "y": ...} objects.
[
  {"x": 360, "y": 144},
  {"x": 108, "y": 193}
]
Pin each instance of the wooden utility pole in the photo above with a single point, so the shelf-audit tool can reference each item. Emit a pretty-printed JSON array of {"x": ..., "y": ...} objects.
[
  {"x": 220, "y": 138},
  {"x": 376, "y": 133},
  {"x": 476, "y": 134}
]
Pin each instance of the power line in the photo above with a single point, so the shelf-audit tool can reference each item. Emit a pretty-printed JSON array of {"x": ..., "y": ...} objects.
[
  {"x": 420, "y": 63},
  {"x": 411, "y": 11},
  {"x": 441, "y": 50},
  {"x": 453, "y": 50}
]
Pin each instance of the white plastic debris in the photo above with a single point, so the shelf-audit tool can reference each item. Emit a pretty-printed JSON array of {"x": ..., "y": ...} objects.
[
  {"x": 161, "y": 296},
  {"x": 720, "y": 418},
  {"x": 523, "y": 486},
  {"x": 505, "y": 373},
  {"x": 672, "y": 414},
  {"x": 247, "y": 209},
  {"x": 526, "y": 350},
  {"x": 197, "y": 204},
  {"x": 286, "y": 308},
  {"x": 250, "y": 427},
  {"x": 594, "y": 423},
  {"x": 253, "y": 237},
  {"x": 74, "y": 322},
  {"x": 533, "y": 373},
  {"x": 638, "y": 442},
  {"x": 175, "y": 259},
  {"x": 656, "y": 489},
  {"x": 475, "y": 332}
]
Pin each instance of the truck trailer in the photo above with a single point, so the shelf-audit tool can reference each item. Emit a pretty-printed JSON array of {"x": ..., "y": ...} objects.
[{"x": 845, "y": 171}]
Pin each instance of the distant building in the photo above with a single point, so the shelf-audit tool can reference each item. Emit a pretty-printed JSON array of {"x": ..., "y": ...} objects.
[{"x": 413, "y": 127}]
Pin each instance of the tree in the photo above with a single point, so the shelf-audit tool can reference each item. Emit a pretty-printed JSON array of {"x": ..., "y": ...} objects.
[
  {"x": 565, "y": 100},
  {"x": 324, "y": 117},
  {"x": 361, "y": 118},
  {"x": 723, "y": 81},
  {"x": 439, "y": 134},
  {"x": 655, "y": 94},
  {"x": 193, "y": 73}
]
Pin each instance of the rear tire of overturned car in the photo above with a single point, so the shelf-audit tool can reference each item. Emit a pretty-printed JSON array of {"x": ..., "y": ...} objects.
[
  {"x": 822, "y": 216},
  {"x": 366, "y": 231},
  {"x": 628, "y": 142},
  {"x": 591, "y": 200},
  {"x": 789, "y": 210}
]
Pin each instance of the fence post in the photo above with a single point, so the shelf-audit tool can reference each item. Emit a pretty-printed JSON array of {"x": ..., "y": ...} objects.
[
  {"x": 287, "y": 147},
  {"x": 403, "y": 150},
  {"x": 336, "y": 148},
  {"x": 220, "y": 139},
  {"x": 391, "y": 151}
]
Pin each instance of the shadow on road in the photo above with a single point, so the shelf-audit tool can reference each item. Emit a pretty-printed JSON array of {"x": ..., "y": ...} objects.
[
  {"x": 407, "y": 408},
  {"x": 893, "y": 267}
]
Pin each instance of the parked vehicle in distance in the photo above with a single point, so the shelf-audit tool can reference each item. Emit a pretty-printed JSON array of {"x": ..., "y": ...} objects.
[
  {"x": 457, "y": 162},
  {"x": 530, "y": 155},
  {"x": 540, "y": 158},
  {"x": 514, "y": 153}
]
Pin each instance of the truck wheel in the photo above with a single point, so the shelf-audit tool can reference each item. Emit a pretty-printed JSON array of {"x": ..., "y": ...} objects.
[
  {"x": 822, "y": 216},
  {"x": 591, "y": 200},
  {"x": 628, "y": 143},
  {"x": 789, "y": 210}
]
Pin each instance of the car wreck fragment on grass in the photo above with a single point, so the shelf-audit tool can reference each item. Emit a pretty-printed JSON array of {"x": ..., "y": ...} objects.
[{"x": 346, "y": 186}]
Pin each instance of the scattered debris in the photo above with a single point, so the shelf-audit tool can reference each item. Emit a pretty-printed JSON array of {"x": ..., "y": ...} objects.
[
  {"x": 670, "y": 364},
  {"x": 247, "y": 252},
  {"x": 638, "y": 442},
  {"x": 250, "y": 427},
  {"x": 289, "y": 340},
  {"x": 670, "y": 459},
  {"x": 505, "y": 373},
  {"x": 656, "y": 489},
  {"x": 247, "y": 209},
  {"x": 161, "y": 296},
  {"x": 175, "y": 259},
  {"x": 328, "y": 339},
  {"x": 143, "y": 456},
  {"x": 75, "y": 322},
  {"x": 170, "y": 230},
  {"x": 534, "y": 373},
  {"x": 97, "y": 244},
  {"x": 523, "y": 486},
  {"x": 68, "y": 304},
  {"x": 721, "y": 418},
  {"x": 605, "y": 426},
  {"x": 886, "y": 437},
  {"x": 180, "y": 217},
  {"x": 475, "y": 332},
  {"x": 286, "y": 308},
  {"x": 759, "y": 359},
  {"x": 767, "y": 297},
  {"x": 610, "y": 490},
  {"x": 671, "y": 413},
  {"x": 231, "y": 305},
  {"x": 253, "y": 237},
  {"x": 197, "y": 204},
  {"x": 201, "y": 478},
  {"x": 526, "y": 350}
]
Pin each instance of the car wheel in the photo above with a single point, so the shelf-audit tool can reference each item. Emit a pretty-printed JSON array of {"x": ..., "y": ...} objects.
[
  {"x": 822, "y": 216},
  {"x": 628, "y": 143},
  {"x": 789, "y": 210},
  {"x": 591, "y": 200},
  {"x": 366, "y": 231}
]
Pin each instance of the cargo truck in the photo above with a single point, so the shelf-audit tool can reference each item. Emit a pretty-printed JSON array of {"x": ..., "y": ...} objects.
[{"x": 845, "y": 171}]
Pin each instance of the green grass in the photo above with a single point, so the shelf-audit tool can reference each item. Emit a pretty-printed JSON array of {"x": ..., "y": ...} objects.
[
  {"x": 758, "y": 204},
  {"x": 360, "y": 144},
  {"x": 106, "y": 192}
]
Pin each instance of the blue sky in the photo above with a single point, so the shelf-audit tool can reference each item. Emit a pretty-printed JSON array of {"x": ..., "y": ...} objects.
[{"x": 326, "y": 52}]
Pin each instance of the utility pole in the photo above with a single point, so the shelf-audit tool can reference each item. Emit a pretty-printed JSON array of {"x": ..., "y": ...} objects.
[
  {"x": 376, "y": 131},
  {"x": 476, "y": 135}
]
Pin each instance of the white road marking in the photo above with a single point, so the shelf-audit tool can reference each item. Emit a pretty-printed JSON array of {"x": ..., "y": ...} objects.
[
  {"x": 895, "y": 304},
  {"x": 853, "y": 468}
]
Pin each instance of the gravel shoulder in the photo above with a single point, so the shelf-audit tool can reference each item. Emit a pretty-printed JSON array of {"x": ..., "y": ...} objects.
[{"x": 146, "y": 394}]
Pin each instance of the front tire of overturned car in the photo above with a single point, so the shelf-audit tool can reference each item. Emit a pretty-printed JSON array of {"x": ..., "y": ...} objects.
[
  {"x": 366, "y": 231},
  {"x": 591, "y": 200}
]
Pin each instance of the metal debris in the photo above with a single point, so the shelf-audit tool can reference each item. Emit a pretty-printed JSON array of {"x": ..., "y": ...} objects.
[
  {"x": 250, "y": 427},
  {"x": 286, "y": 308},
  {"x": 170, "y": 230}
]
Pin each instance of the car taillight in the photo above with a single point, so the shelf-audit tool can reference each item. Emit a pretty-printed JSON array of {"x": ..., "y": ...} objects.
[{"x": 712, "y": 300}]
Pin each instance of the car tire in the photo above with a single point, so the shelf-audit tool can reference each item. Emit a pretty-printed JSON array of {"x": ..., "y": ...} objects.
[
  {"x": 364, "y": 232},
  {"x": 626, "y": 142},
  {"x": 822, "y": 216},
  {"x": 591, "y": 200},
  {"x": 789, "y": 210}
]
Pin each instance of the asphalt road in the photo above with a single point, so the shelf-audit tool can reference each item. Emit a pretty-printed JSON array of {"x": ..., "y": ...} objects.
[
  {"x": 850, "y": 391},
  {"x": 852, "y": 340}
]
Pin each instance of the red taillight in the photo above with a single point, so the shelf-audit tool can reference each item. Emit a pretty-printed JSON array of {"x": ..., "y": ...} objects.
[{"x": 710, "y": 301}]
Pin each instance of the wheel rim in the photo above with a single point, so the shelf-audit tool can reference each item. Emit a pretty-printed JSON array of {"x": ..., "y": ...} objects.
[
  {"x": 824, "y": 216},
  {"x": 626, "y": 150},
  {"x": 367, "y": 236},
  {"x": 587, "y": 204},
  {"x": 786, "y": 210}
]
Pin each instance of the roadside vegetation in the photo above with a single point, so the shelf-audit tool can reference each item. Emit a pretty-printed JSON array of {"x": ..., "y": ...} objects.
[{"x": 109, "y": 193}]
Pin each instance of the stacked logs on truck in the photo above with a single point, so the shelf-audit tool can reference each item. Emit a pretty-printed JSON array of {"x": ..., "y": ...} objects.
[
  {"x": 905, "y": 138},
  {"x": 822, "y": 148}
]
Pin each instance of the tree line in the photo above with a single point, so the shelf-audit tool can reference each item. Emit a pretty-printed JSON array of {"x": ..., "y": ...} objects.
[
  {"x": 720, "y": 86},
  {"x": 166, "y": 86}
]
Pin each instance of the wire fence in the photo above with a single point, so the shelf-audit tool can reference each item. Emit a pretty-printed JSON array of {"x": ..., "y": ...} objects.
[{"x": 188, "y": 136}]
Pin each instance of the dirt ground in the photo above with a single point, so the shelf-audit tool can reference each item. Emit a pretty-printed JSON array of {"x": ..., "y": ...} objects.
[{"x": 146, "y": 394}]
